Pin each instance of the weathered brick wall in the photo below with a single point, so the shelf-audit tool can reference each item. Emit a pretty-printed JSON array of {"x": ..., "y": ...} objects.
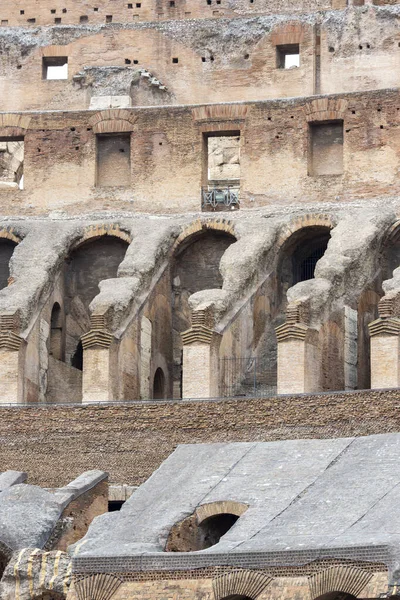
[{"x": 54, "y": 444}]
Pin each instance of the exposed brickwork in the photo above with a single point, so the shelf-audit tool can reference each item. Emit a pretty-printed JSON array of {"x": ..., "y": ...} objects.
[{"x": 56, "y": 443}]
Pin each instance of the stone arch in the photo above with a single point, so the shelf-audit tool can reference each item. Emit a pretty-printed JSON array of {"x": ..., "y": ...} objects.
[
  {"x": 338, "y": 581},
  {"x": 100, "y": 586},
  {"x": 240, "y": 583},
  {"x": 199, "y": 226},
  {"x": 98, "y": 230},
  {"x": 205, "y": 527}
]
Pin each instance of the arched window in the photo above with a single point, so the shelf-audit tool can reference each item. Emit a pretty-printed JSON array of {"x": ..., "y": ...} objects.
[
  {"x": 6, "y": 250},
  {"x": 56, "y": 333},
  {"x": 159, "y": 385}
]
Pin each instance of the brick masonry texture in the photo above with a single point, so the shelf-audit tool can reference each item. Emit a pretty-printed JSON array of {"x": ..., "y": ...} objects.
[{"x": 54, "y": 444}]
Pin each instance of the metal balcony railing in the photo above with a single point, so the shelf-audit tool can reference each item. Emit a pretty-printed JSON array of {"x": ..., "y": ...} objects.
[{"x": 220, "y": 198}]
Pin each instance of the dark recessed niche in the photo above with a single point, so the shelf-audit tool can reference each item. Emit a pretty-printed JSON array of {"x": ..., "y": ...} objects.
[
  {"x": 73, "y": 129},
  {"x": 127, "y": 61},
  {"x": 175, "y": 61},
  {"x": 246, "y": 56},
  {"x": 22, "y": 12},
  {"x": 331, "y": 49},
  {"x": 135, "y": 62}
]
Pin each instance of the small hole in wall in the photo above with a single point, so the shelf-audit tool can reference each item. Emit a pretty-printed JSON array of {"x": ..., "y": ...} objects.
[
  {"x": 135, "y": 62},
  {"x": 31, "y": 20},
  {"x": 175, "y": 61},
  {"x": 76, "y": 147},
  {"x": 160, "y": 143},
  {"x": 57, "y": 20},
  {"x": 39, "y": 150},
  {"x": 121, "y": 150},
  {"x": 331, "y": 49},
  {"x": 130, "y": 5},
  {"x": 348, "y": 130},
  {"x": 269, "y": 118},
  {"x": 22, "y": 12},
  {"x": 292, "y": 117},
  {"x": 64, "y": 10},
  {"x": 73, "y": 129},
  {"x": 172, "y": 3},
  {"x": 353, "y": 112},
  {"x": 53, "y": 11},
  {"x": 20, "y": 67},
  {"x": 96, "y": 9},
  {"x": 360, "y": 47},
  {"x": 84, "y": 19},
  {"x": 381, "y": 126},
  {"x": 88, "y": 129},
  {"x": 109, "y": 18},
  {"x": 246, "y": 56},
  {"x": 138, "y": 5},
  {"x": 127, "y": 61},
  {"x": 368, "y": 46},
  {"x": 212, "y": 58},
  {"x": 203, "y": 59},
  {"x": 379, "y": 109}
]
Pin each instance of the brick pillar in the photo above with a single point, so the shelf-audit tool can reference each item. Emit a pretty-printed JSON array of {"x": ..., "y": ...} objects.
[
  {"x": 298, "y": 359},
  {"x": 200, "y": 360},
  {"x": 385, "y": 352},
  {"x": 96, "y": 380}
]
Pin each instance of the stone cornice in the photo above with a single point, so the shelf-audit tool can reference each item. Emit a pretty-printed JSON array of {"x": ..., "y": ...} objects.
[
  {"x": 97, "y": 338},
  {"x": 383, "y": 326}
]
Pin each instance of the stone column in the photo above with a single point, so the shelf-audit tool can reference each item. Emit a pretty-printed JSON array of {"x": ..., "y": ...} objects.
[
  {"x": 96, "y": 380},
  {"x": 11, "y": 382},
  {"x": 385, "y": 349},
  {"x": 200, "y": 360},
  {"x": 298, "y": 359}
]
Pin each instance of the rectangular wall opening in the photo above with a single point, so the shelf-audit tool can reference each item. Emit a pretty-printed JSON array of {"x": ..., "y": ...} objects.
[
  {"x": 288, "y": 56},
  {"x": 221, "y": 170},
  {"x": 55, "y": 67},
  {"x": 114, "y": 160},
  {"x": 326, "y": 148},
  {"x": 11, "y": 163}
]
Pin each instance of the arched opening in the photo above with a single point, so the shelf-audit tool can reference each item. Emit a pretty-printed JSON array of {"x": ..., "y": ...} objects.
[
  {"x": 6, "y": 251},
  {"x": 205, "y": 527},
  {"x": 336, "y": 596},
  {"x": 211, "y": 530},
  {"x": 56, "y": 333},
  {"x": 92, "y": 262},
  {"x": 159, "y": 385},
  {"x": 237, "y": 597},
  {"x": 195, "y": 267},
  {"x": 301, "y": 253}
]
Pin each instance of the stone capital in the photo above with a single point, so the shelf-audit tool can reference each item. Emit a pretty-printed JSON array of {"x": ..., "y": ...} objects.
[
  {"x": 197, "y": 334},
  {"x": 385, "y": 326}
]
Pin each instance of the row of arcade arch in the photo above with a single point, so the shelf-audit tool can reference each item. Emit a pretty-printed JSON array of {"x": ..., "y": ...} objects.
[{"x": 194, "y": 266}]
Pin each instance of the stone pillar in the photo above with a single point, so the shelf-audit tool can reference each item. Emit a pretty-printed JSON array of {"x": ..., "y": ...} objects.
[
  {"x": 298, "y": 359},
  {"x": 96, "y": 380},
  {"x": 200, "y": 360},
  {"x": 385, "y": 352},
  {"x": 11, "y": 380}
]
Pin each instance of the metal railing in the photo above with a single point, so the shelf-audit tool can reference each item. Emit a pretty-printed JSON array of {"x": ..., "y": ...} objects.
[
  {"x": 246, "y": 377},
  {"x": 220, "y": 198}
]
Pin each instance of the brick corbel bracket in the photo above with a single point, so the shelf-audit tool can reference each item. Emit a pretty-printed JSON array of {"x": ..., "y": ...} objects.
[
  {"x": 295, "y": 327},
  {"x": 100, "y": 586},
  {"x": 387, "y": 323},
  {"x": 98, "y": 336},
  {"x": 201, "y": 330},
  {"x": 9, "y": 326}
]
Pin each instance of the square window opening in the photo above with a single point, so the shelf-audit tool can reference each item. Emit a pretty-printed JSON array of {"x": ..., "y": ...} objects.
[
  {"x": 325, "y": 148},
  {"x": 288, "y": 56},
  {"x": 11, "y": 163},
  {"x": 55, "y": 67},
  {"x": 113, "y": 160},
  {"x": 221, "y": 170}
]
